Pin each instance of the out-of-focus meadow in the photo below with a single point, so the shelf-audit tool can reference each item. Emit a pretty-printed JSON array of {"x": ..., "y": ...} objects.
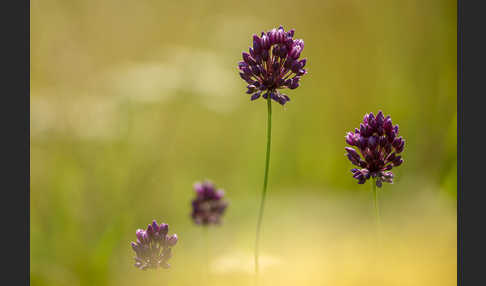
[{"x": 133, "y": 101}]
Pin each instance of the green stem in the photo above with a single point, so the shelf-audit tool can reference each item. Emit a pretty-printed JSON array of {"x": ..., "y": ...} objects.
[
  {"x": 375, "y": 201},
  {"x": 378, "y": 241},
  {"x": 206, "y": 253},
  {"x": 265, "y": 182}
]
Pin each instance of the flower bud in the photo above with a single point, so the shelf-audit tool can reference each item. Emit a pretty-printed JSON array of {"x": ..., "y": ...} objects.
[
  {"x": 291, "y": 33},
  {"x": 272, "y": 36},
  {"x": 391, "y": 137},
  {"x": 295, "y": 83},
  {"x": 300, "y": 43},
  {"x": 398, "y": 161},
  {"x": 400, "y": 147},
  {"x": 288, "y": 63},
  {"x": 140, "y": 234},
  {"x": 265, "y": 42},
  {"x": 352, "y": 152},
  {"x": 172, "y": 240},
  {"x": 295, "y": 52},
  {"x": 242, "y": 65},
  {"x": 134, "y": 246},
  {"x": 302, "y": 72},
  {"x": 365, "y": 118},
  {"x": 395, "y": 128},
  {"x": 246, "y": 70},
  {"x": 256, "y": 70},
  {"x": 383, "y": 141},
  {"x": 280, "y": 37},
  {"x": 302, "y": 63},
  {"x": 372, "y": 142},
  {"x": 247, "y": 58},
  {"x": 164, "y": 229},
  {"x": 251, "y": 89},
  {"x": 295, "y": 66},
  {"x": 390, "y": 157},
  {"x": 387, "y": 125},
  {"x": 362, "y": 142},
  {"x": 372, "y": 122},
  {"x": 289, "y": 43},
  {"x": 396, "y": 142},
  {"x": 256, "y": 95},
  {"x": 353, "y": 160},
  {"x": 350, "y": 138},
  {"x": 155, "y": 226},
  {"x": 283, "y": 52},
  {"x": 257, "y": 44},
  {"x": 244, "y": 76},
  {"x": 380, "y": 118}
]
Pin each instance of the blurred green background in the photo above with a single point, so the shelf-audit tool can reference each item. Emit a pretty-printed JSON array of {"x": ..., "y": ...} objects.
[{"x": 133, "y": 101}]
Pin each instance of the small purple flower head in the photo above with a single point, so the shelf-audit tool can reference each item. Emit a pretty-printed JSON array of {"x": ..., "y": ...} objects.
[
  {"x": 272, "y": 64},
  {"x": 379, "y": 147},
  {"x": 153, "y": 246},
  {"x": 208, "y": 206}
]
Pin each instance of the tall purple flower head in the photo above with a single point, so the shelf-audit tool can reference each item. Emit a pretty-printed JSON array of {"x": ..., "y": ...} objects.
[
  {"x": 209, "y": 205},
  {"x": 379, "y": 147},
  {"x": 273, "y": 64},
  {"x": 153, "y": 246}
]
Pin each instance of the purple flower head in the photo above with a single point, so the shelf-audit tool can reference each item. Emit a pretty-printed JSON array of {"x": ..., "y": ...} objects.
[
  {"x": 273, "y": 64},
  {"x": 153, "y": 246},
  {"x": 208, "y": 206},
  {"x": 379, "y": 147}
]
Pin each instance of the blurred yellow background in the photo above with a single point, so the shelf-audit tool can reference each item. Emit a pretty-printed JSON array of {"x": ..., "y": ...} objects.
[{"x": 133, "y": 101}]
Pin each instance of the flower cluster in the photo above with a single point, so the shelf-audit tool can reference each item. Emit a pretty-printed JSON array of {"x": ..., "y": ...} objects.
[
  {"x": 153, "y": 246},
  {"x": 378, "y": 142},
  {"x": 208, "y": 206},
  {"x": 273, "y": 63}
]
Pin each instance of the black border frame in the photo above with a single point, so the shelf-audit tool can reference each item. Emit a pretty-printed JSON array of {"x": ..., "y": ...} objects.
[
  {"x": 15, "y": 198},
  {"x": 471, "y": 208}
]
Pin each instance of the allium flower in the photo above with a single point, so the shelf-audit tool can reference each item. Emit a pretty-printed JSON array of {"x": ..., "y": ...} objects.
[
  {"x": 272, "y": 64},
  {"x": 208, "y": 206},
  {"x": 153, "y": 246},
  {"x": 378, "y": 145}
]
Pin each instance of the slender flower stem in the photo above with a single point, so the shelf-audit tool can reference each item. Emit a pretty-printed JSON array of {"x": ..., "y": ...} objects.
[
  {"x": 265, "y": 182},
  {"x": 377, "y": 210},
  {"x": 206, "y": 253},
  {"x": 378, "y": 241},
  {"x": 375, "y": 201}
]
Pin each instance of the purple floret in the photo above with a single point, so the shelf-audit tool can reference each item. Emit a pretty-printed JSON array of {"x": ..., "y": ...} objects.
[
  {"x": 208, "y": 206},
  {"x": 272, "y": 64},
  {"x": 153, "y": 246},
  {"x": 379, "y": 147}
]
